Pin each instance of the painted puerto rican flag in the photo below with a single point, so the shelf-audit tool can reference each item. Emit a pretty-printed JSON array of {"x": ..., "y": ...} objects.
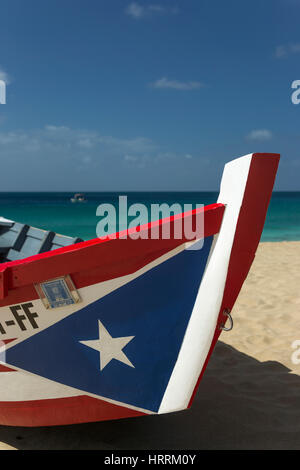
[
  {"x": 149, "y": 314},
  {"x": 94, "y": 350}
]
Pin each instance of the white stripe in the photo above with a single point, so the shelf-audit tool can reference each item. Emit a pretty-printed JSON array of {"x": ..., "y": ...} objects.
[
  {"x": 25, "y": 386},
  {"x": 18, "y": 386},
  {"x": 200, "y": 331},
  {"x": 3, "y": 219}
]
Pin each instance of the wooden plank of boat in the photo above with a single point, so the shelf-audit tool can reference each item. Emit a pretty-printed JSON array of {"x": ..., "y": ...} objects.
[{"x": 107, "y": 329}]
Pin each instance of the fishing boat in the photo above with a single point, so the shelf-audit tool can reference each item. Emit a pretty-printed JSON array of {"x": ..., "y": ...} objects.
[
  {"x": 124, "y": 327},
  {"x": 78, "y": 197}
]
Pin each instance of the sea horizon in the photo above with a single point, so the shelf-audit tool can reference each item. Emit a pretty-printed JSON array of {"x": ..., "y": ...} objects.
[
  {"x": 130, "y": 191},
  {"x": 53, "y": 210}
]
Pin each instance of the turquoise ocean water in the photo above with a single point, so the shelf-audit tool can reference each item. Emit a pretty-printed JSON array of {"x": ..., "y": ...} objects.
[{"x": 54, "y": 211}]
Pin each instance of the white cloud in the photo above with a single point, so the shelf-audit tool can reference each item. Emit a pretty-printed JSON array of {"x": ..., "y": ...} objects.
[
  {"x": 86, "y": 143},
  {"x": 260, "y": 134},
  {"x": 176, "y": 84},
  {"x": 58, "y": 157},
  {"x": 295, "y": 48},
  {"x": 135, "y": 10},
  {"x": 280, "y": 51},
  {"x": 286, "y": 50},
  {"x": 56, "y": 128},
  {"x": 71, "y": 145},
  {"x": 139, "y": 11},
  {"x": 130, "y": 158}
]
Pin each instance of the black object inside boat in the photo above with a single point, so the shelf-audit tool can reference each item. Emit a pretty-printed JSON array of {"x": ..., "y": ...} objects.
[{"x": 18, "y": 241}]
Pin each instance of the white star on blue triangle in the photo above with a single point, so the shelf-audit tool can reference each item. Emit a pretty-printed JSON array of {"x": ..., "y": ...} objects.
[{"x": 109, "y": 348}]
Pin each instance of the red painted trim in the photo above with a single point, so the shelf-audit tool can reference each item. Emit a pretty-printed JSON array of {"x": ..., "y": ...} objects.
[
  {"x": 6, "y": 341},
  {"x": 98, "y": 260},
  {"x": 61, "y": 411},
  {"x": 257, "y": 195},
  {"x": 5, "y": 368},
  {"x": 3, "y": 282}
]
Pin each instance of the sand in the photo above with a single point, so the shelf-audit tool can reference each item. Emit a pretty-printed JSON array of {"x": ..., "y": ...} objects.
[{"x": 249, "y": 397}]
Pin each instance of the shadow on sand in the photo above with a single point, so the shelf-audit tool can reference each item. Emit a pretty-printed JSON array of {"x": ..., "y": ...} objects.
[{"x": 241, "y": 404}]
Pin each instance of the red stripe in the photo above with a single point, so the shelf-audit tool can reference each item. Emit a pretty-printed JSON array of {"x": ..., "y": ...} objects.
[
  {"x": 96, "y": 260},
  {"x": 4, "y": 368},
  {"x": 257, "y": 195},
  {"x": 61, "y": 411},
  {"x": 6, "y": 341}
]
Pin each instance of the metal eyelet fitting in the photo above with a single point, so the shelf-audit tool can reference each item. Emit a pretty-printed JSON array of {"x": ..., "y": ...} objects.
[{"x": 223, "y": 327}]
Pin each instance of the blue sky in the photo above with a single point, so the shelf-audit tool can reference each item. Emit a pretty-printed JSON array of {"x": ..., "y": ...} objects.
[{"x": 146, "y": 95}]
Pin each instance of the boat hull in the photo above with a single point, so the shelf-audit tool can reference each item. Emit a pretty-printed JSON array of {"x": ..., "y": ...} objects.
[{"x": 137, "y": 338}]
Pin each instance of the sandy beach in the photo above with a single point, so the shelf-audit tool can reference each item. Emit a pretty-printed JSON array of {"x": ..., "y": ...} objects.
[{"x": 249, "y": 396}]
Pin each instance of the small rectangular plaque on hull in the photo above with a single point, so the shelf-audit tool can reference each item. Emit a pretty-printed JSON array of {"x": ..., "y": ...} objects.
[{"x": 58, "y": 292}]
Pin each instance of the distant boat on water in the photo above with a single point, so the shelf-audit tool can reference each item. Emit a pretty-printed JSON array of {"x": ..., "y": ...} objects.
[{"x": 78, "y": 197}]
